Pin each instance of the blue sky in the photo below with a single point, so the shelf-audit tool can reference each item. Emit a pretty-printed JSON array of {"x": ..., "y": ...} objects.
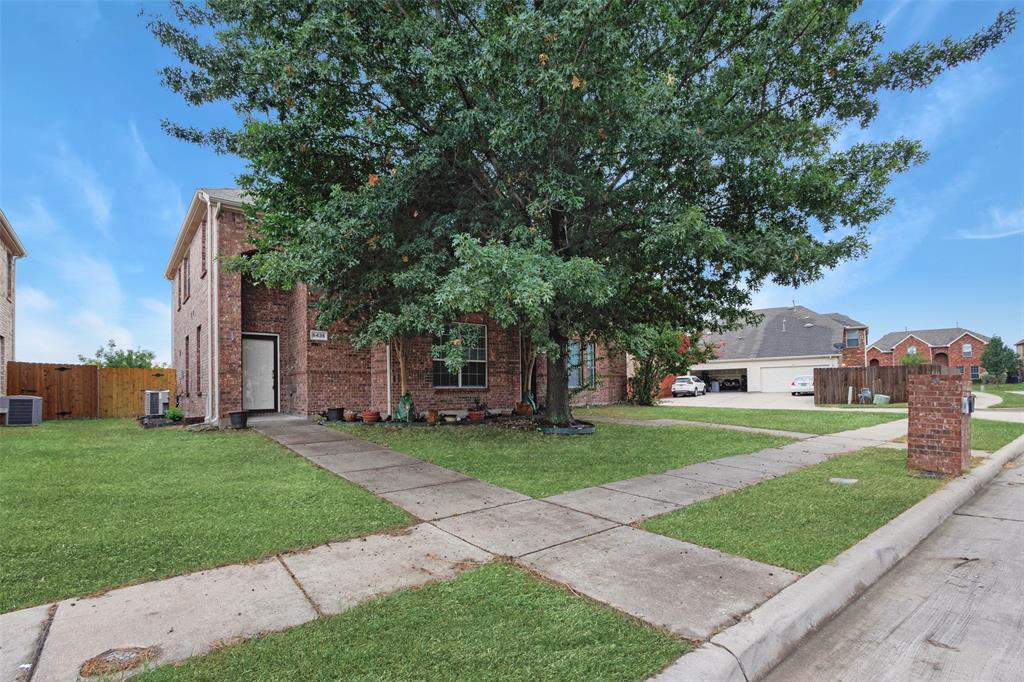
[{"x": 97, "y": 191}]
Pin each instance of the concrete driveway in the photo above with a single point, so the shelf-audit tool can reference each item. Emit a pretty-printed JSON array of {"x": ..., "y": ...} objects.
[{"x": 781, "y": 401}]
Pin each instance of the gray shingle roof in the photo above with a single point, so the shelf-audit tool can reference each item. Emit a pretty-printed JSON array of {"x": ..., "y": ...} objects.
[
  {"x": 229, "y": 194},
  {"x": 1019, "y": 343},
  {"x": 933, "y": 337},
  {"x": 784, "y": 332}
]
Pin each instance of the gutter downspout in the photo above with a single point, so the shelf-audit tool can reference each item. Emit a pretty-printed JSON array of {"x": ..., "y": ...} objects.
[
  {"x": 215, "y": 311},
  {"x": 388, "y": 356},
  {"x": 210, "y": 333}
]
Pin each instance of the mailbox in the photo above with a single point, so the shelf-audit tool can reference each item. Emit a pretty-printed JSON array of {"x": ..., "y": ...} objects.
[{"x": 967, "y": 404}]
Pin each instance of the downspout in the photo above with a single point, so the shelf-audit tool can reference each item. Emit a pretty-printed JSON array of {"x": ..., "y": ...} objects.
[
  {"x": 388, "y": 372},
  {"x": 210, "y": 333},
  {"x": 215, "y": 312}
]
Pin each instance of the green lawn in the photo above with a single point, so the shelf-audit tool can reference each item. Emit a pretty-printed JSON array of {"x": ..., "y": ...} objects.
[
  {"x": 494, "y": 622},
  {"x": 801, "y": 520},
  {"x": 858, "y": 406},
  {"x": 991, "y": 435},
  {"x": 88, "y": 505},
  {"x": 540, "y": 465},
  {"x": 1008, "y": 392},
  {"x": 803, "y": 421}
]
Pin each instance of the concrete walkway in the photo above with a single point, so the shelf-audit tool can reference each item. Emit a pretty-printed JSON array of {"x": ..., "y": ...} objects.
[
  {"x": 581, "y": 538},
  {"x": 950, "y": 611}
]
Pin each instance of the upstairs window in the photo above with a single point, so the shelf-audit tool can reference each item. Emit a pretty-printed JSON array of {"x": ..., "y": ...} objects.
[
  {"x": 10, "y": 277},
  {"x": 473, "y": 338},
  {"x": 852, "y": 338},
  {"x": 202, "y": 241},
  {"x": 582, "y": 365},
  {"x": 912, "y": 350},
  {"x": 187, "y": 268},
  {"x": 967, "y": 350}
]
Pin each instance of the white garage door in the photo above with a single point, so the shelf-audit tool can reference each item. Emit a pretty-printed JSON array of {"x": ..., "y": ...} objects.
[{"x": 777, "y": 379}]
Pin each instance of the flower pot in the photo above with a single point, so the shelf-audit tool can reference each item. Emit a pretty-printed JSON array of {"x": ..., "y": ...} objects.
[
  {"x": 239, "y": 419},
  {"x": 334, "y": 414},
  {"x": 523, "y": 410},
  {"x": 350, "y": 416},
  {"x": 432, "y": 416},
  {"x": 476, "y": 415},
  {"x": 371, "y": 416}
]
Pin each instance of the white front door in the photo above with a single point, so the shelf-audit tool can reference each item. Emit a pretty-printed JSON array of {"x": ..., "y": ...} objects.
[{"x": 259, "y": 373}]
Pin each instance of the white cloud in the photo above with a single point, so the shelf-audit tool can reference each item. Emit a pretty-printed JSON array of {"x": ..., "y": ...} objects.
[
  {"x": 30, "y": 298},
  {"x": 1001, "y": 224},
  {"x": 162, "y": 195},
  {"x": 85, "y": 181}
]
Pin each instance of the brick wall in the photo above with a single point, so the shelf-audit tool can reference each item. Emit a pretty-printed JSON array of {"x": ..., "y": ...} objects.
[
  {"x": 876, "y": 356},
  {"x": 854, "y": 356},
  {"x": 954, "y": 354},
  {"x": 6, "y": 314},
  {"x": 939, "y": 436},
  {"x": 231, "y": 242},
  {"x": 610, "y": 386},
  {"x": 188, "y": 315}
]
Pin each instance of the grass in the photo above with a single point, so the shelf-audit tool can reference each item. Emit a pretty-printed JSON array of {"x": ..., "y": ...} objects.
[
  {"x": 494, "y": 622},
  {"x": 1008, "y": 392},
  {"x": 991, "y": 435},
  {"x": 803, "y": 421},
  {"x": 801, "y": 521},
  {"x": 88, "y": 505},
  {"x": 856, "y": 406},
  {"x": 541, "y": 465}
]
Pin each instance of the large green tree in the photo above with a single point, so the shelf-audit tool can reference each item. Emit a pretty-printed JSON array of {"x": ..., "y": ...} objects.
[
  {"x": 627, "y": 161},
  {"x": 998, "y": 359}
]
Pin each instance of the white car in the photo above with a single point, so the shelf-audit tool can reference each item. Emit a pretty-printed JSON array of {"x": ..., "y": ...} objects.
[
  {"x": 802, "y": 385},
  {"x": 688, "y": 385}
]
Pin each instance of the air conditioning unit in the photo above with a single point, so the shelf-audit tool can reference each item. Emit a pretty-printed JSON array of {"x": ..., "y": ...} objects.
[
  {"x": 156, "y": 403},
  {"x": 23, "y": 410}
]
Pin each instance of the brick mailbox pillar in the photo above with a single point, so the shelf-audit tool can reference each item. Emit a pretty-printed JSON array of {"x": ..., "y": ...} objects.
[{"x": 939, "y": 438}]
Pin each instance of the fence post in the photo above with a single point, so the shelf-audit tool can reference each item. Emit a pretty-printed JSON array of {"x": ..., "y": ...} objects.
[{"x": 939, "y": 435}]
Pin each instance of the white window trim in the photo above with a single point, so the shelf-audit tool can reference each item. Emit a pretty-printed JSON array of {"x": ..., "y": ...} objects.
[
  {"x": 486, "y": 361},
  {"x": 856, "y": 338},
  {"x": 975, "y": 372},
  {"x": 911, "y": 350},
  {"x": 967, "y": 350}
]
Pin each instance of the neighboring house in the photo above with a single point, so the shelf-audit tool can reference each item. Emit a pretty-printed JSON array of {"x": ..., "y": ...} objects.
[
  {"x": 953, "y": 347},
  {"x": 11, "y": 250},
  {"x": 238, "y": 345},
  {"x": 1020, "y": 347},
  {"x": 788, "y": 342}
]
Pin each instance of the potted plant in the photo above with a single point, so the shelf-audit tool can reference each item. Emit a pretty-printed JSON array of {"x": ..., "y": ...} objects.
[
  {"x": 432, "y": 416},
  {"x": 371, "y": 416},
  {"x": 478, "y": 411},
  {"x": 239, "y": 419},
  {"x": 350, "y": 416}
]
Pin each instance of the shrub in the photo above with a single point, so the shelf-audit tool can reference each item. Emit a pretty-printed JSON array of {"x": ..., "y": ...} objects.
[{"x": 175, "y": 414}]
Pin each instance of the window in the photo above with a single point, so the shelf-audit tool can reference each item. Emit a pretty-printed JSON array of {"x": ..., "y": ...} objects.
[
  {"x": 968, "y": 350},
  {"x": 202, "y": 264},
  {"x": 187, "y": 356},
  {"x": 912, "y": 350},
  {"x": 10, "y": 277},
  {"x": 199, "y": 361},
  {"x": 473, "y": 337},
  {"x": 960, "y": 369},
  {"x": 852, "y": 338},
  {"x": 581, "y": 365},
  {"x": 975, "y": 372},
  {"x": 187, "y": 266},
  {"x": 180, "y": 289}
]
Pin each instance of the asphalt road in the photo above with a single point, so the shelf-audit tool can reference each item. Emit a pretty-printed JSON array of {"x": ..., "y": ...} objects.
[{"x": 951, "y": 611}]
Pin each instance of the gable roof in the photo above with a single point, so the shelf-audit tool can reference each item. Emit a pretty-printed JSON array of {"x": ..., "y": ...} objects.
[
  {"x": 932, "y": 337},
  {"x": 225, "y": 195},
  {"x": 1019, "y": 343},
  {"x": 9, "y": 237},
  {"x": 203, "y": 198},
  {"x": 784, "y": 332}
]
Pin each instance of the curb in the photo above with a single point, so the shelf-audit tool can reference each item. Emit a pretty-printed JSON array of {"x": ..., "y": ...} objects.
[{"x": 750, "y": 649}]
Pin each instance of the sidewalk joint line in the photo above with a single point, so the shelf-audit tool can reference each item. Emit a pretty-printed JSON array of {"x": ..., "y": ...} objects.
[
  {"x": 288, "y": 570},
  {"x": 51, "y": 613},
  {"x": 985, "y": 516}
]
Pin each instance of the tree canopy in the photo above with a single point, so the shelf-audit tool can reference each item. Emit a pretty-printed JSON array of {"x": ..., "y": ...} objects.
[
  {"x": 112, "y": 356},
  {"x": 590, "y": 165},
  {"x": 998, "y": 359}
]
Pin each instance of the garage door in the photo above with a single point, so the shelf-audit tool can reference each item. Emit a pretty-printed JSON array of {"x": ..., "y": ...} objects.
[{"x": 777, "y": 379}]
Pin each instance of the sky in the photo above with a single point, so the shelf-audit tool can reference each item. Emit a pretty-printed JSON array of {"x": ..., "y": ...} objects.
[{"x": 97, "y": 191}]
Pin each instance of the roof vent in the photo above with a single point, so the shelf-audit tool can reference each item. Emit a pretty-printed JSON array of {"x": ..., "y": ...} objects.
[
  {"x": 808, "y": 324},
  {"x": 783, "y": 324}
]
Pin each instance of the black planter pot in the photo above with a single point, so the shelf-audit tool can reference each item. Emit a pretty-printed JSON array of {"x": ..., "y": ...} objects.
[
  {"x": 334, "y": 414},
  {"x": 239, "y": 419}
]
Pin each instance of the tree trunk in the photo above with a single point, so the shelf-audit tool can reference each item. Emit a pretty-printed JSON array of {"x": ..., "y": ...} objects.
[
  {"x": 529, "y": 359},
  {"x": 558, "y": 410},
  {"x": 400, "y": 351}
]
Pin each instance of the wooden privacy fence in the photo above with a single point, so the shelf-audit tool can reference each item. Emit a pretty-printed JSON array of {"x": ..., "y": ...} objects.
[
  {"x": 831, "y": 384},
  {"x": 87, "y": 391}
]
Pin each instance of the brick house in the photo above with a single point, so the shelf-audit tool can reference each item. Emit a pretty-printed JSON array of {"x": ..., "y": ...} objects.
[
  {"x": 238, "y": 345},
  {"x": 11, "y": 250},
  {"x": 952, "y": 347}
]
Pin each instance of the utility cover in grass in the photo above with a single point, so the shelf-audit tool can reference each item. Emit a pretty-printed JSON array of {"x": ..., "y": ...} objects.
[
  {"x": 802, "y": 520},
  {"x": 496, "y": 622}
]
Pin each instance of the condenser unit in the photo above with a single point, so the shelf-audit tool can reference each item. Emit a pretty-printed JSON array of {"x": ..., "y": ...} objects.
[
  {"x": 23, "y": 410},
  {"x": 157, "y": 403}
]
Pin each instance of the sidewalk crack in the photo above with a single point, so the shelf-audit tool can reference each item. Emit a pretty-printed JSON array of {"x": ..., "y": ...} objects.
[
  {"x": 40, "y": 641},
  {"x": 288, "y": 570}
]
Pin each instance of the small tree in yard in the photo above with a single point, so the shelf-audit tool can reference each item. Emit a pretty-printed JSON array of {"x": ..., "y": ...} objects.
[
  {"x": 657, "y": 351},
  {"x": 913, "y": 359},
  {"x": 999, "y": 360},
  {"x": 624, "y": 161},
  {"x": 112, "y": 356}
]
